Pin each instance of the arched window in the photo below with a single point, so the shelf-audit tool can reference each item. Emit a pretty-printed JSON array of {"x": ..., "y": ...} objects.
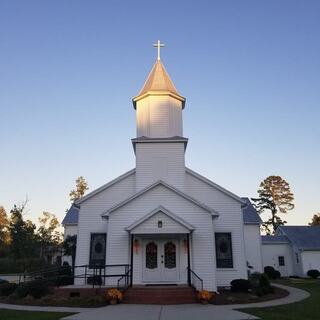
[{"x": 151, "y": 255}]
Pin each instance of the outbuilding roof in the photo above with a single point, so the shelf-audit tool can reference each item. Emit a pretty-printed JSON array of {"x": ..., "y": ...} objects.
[
  {"x": 274, "y": 239},
  {"x": 304, "y": 237}
]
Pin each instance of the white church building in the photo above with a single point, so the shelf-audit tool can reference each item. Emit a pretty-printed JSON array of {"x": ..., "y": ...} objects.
[{"x": 165, "y": 222}]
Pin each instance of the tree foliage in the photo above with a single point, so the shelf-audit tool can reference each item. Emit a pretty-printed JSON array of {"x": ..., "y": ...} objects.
[
  {"x": 4, "y": 227},
  {"x": 48, "y": 233},
  {"x": 274, "y": 195},
  {"x": 22, "y": 234},
  {"x": 70, "y": 247},
  {"x": 80, "y": 189},
  {"x": 315, "y": 220}
]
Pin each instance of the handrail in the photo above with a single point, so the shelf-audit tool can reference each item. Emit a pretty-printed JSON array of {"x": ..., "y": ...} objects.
[
  {"x": 126, "y": 277},
  {"x": 97, "y": 273},
  {"x": 197, "y": 277}
]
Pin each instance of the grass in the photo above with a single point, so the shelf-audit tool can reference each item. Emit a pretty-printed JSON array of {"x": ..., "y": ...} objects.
[
  {"x": 308, "y": 309},
  {"x": 31, "y": 315}
]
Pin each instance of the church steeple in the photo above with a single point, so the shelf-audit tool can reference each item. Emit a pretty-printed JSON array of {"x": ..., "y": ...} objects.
[
  {"x": 159, "y": 105},
  {"x": 158, "y": 82},
  {"x": 160, "y": 145}
]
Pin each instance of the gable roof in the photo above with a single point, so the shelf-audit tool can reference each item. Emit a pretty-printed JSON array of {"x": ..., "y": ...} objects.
[
  {"x": 274, "y": 239},
  {"x": 304, "y": 237},
  {"x": 105, "y": 186},
  {"x": 162, "y": 209},
  {"x": 164, "y": 184},
  {"x": 216, "y": 186},
  {"x": 250, "y": 214},
  {"x": 71, "y": 216}
]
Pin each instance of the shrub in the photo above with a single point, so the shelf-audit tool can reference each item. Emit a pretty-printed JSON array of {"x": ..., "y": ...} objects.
[
  {"x": 255, "y": 279},
  {"x": 271, "y": 272},
  {"x": 7, "y": 288},
  {"x": 95, "y": 280},
  {"x": 34, "y": 288},
  {"x": 3, "y": 281},
  {"x": 240, "y": 285},
  {"x": 313, "y": 273},
  {"x": 65, "y": 269},
  {"x": 64, "y": 280},
  {"x": 264, "y": 281}
]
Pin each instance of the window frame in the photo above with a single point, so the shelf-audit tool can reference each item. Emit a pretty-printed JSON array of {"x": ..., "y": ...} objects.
[
  {"x": 281, "y": 261},
  {"x": 92, "y": 263},
  {"x": 220, "y": 264}
]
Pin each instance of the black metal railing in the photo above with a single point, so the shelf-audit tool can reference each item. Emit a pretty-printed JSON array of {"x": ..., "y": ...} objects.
[
  {"x": 124, "y": 282},
  {"x": 92, "y": 275},
  {"x": 196, "y": 281}
]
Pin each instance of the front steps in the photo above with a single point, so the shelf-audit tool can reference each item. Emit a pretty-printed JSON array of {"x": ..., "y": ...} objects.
[{"x": 160, "y": 295}]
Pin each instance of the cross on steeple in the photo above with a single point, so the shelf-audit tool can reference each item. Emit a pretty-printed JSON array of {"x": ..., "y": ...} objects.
[{"x": 158, "y": 45}]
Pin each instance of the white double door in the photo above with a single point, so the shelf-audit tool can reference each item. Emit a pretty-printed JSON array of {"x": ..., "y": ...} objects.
[{"x": 160, "y": 261}]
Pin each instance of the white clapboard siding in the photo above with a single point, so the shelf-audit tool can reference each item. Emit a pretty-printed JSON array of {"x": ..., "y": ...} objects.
[
  {"x": 310, "y": 260},
  {"x": 230, "y": 220},
  {"x": 202, "y": 237},
  {"x": 270, "y": 257},
  {"x": 90, "y": 220},
  {"x": 252, "y": 241},
  {"x": 70, "y": 230},
  {"x": 160, "y": 161},
  {"x": 159, "y": 117},
  {"x": 150, "y": 226}
]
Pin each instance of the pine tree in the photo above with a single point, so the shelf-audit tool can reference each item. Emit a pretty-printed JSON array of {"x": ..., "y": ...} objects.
[{"x": 274, "y": 195}]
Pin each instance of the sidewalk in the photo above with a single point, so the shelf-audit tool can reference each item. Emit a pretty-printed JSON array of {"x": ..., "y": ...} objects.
[{"x": 168, "y": 312}]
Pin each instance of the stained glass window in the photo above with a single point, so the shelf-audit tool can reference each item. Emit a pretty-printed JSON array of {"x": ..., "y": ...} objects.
[
  {"x": 151, "y": 255},
  {"x": 224, "y": 250},
  {"x": 170, "y": 255},
  {"x": 97, "y": 250}
]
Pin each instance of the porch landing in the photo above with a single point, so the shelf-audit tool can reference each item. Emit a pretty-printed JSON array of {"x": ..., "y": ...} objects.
[{"x": 162, "y": 295}]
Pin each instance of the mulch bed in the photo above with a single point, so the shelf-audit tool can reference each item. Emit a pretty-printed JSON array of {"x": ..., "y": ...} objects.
[{"x": 228, "y": 297}]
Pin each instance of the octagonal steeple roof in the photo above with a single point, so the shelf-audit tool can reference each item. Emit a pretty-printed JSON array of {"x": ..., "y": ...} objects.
[{"x": 158, "y": 83}]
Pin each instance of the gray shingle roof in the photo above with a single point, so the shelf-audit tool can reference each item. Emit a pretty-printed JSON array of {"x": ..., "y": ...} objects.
[
  {"x": 304, "y": 237},
  {"x": 250, "y": 214},
  {"x": 274, "y": 239},
  {"x": 71, "y": 216}
]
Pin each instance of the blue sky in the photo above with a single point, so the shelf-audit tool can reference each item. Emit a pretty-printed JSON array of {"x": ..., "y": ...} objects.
[{"x": 69, "y": 69}]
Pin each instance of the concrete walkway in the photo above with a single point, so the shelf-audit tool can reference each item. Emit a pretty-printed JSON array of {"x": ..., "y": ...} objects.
[{"x": 168, "y": 312}]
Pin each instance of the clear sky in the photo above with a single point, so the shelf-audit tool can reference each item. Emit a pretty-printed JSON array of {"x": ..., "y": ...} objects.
[{"x": 68, "y": 70}]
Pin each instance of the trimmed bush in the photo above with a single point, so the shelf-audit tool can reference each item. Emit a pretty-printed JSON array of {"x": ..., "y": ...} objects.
[
  {"x": 35, "y": 288},
  {"x": 271, "y": 272},
  {"x": 64, "y": 280},
  {"x": 95, "y": 280},
  {"x": 255, "y": 279},
  {"x": 7, "y": 288},
  {"x": 240, "y": 285},
  {"x": 313, "y": 273},
  {"x": 264, "y": 281},
  {"x": 263, "y": 291}
]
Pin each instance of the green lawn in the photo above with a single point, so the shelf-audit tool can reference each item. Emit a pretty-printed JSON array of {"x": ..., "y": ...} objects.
[
  {"x": 308, "y": 309},
  {"x": 31, "y": 315}
]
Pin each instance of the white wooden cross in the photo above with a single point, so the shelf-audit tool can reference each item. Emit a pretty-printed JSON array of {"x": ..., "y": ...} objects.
[{"x": 158, "y": 45}]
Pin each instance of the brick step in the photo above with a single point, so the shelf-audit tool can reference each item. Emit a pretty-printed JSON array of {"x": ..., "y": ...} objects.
[{"x": 162, "y": 295}]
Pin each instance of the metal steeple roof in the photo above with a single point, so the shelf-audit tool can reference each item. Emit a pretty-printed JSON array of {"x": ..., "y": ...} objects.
[{"x": 158, "y": 82}]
